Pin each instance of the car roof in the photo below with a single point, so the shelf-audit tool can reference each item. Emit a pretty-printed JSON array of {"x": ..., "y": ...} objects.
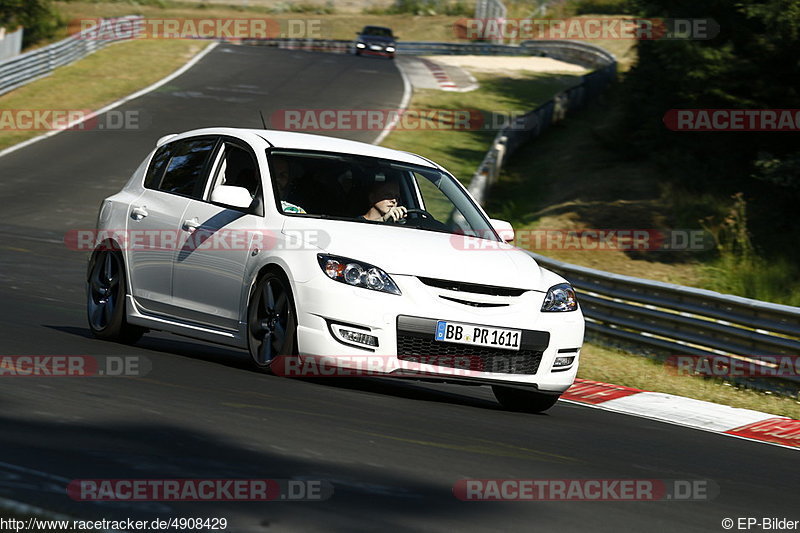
[
  {"x": 306, "y": 141},
  {"x": 377, "y": 27}
]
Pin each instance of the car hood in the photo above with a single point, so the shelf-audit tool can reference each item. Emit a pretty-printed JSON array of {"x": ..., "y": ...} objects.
[{"x": 413, "y": 252}]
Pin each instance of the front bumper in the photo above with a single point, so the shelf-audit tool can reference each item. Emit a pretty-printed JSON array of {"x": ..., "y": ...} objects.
[
  {"x": 402, "y": 325},
  {"x": 376, "y": 49}
]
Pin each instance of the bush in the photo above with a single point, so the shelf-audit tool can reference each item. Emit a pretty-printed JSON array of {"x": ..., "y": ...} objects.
[
  {"x": 291, "y": 7},
  {"x": 603, "y": 7},
  {"x": 425, "y": 7},
  {"x": 751, "y": 64},
  {"x": 38, "y": 18}
]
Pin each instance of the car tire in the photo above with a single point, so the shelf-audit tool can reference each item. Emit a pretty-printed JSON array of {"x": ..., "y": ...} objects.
[
  {"x": 271, "y": 321},
  {"x": 106, "y": 292},
  {"x": 524, "y": 401}
]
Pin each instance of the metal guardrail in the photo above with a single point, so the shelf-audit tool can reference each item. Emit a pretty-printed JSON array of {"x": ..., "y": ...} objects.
[
  {"x": 683, "y": 320},
  {"x": 529, "y": 126},
  {"x": 663, "y": 317},
  {"x": 570, "y": 51},
  {"x": 36, "y": 64},
  {"x": 403, "y": 47},
  {"x": 433, "y": 48},
  {"x": 659, "y": 316},
  {"x": 311, "y": 45},
  {"x": 33, "y": 65}
]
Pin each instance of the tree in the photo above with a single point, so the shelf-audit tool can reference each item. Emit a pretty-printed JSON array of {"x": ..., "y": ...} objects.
[
  {"x": 752, "y": 64},
  {"x": 37, "y": 17}
]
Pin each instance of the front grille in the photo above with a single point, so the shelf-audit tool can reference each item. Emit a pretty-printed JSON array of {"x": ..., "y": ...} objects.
[
  {"x": 471, "y": 287},
  {"x": 477, "y": 358},
  {"x": 472, "y": 304}
]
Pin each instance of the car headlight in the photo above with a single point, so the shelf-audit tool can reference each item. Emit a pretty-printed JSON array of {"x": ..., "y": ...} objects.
[
  {"x": 559, "y": 298},
  {"x": 357, "y": 273},
  {"x": 390, "y": 48},
  {"x": 361, "y": 45}
]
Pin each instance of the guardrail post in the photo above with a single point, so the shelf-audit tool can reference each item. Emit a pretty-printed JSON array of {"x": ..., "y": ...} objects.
[{"x": 499, "y": 155}]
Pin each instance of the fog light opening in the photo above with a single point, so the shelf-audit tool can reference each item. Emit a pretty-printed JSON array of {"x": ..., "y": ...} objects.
[
  {"x": 563, "y": 361},
  {"x": 356, "y": 337}
]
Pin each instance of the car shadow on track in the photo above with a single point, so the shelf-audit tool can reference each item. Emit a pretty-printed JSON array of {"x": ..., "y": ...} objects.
[
  {"x": 42, "y": 458},
  {"x": 172, "y": 345},
  {"x": 406, "y": 388}
]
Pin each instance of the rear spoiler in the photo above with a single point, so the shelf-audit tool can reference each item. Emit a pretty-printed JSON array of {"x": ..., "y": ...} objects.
[{"x": 165, "y": 138}]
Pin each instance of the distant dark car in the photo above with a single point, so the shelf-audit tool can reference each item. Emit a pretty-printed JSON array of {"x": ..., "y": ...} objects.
[{"x": 376, "y": 40}]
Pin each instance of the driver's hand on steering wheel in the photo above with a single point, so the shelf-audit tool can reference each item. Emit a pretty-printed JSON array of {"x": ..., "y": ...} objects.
[{"x": 395, "y": 213}]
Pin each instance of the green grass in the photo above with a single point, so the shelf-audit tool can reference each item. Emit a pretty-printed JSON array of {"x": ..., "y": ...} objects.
[
  {"x": 331, "y": 25},
  {"x": 573, "y": 178},
  {"x": 572, "y": 175},
  {"x": 621, "y": 368},
  {"x": 98, "y": 79},
  {"x": 776, "y": 280},
  {"x": 425, "y": 7},
  {"x": 576, "y": 177},
  {"x": 462, "y": 151}
]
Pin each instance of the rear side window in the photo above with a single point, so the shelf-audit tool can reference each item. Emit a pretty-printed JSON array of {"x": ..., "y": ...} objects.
[
  {"x": 179, "y": 168},
  {"x": 157, "y": 166}
]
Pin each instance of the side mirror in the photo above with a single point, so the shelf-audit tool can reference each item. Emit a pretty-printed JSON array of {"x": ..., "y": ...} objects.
[
  {"x": 503, "y": 229},
  {"x": 232, "y": 196}
]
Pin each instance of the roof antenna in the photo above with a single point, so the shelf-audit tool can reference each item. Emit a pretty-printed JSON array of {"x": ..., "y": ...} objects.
[{"x": 263, "y": 122}]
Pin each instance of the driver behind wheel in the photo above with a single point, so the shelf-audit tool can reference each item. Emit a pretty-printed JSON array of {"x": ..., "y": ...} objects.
[{"x": 383, "y": 198}]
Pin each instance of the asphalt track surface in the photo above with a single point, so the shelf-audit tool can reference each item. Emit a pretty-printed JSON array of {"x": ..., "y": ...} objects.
[{"x": 392, "y": 450}]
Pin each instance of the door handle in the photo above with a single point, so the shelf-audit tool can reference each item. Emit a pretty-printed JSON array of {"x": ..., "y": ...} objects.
[
  {"x": 191, "y": 224},
  {"x": 138, "y": 213}
]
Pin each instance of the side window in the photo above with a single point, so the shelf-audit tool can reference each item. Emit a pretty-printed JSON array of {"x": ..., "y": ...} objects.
[
  {"x": 435, "y": 200},
  {"x": 186, "y": 167},
  {"x": 157, "y": 166},
  {"x": 237, "y": 167}
]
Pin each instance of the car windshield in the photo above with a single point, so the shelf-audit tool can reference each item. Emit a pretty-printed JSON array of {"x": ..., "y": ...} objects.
[
  {"x": 359, "y": 189},
  {"x": 373, "y": 31}
]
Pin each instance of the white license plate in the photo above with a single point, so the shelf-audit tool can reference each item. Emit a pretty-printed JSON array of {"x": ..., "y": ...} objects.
[
  {"x": 375, "y": 47},
  {"x": 506, "y": 339}
]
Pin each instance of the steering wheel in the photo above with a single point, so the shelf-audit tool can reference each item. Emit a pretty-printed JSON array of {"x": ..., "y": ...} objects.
[{"x": 421, "y": 213}]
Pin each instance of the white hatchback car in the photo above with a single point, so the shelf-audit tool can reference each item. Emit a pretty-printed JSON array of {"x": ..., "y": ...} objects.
[{"x": 299, "y": 247}]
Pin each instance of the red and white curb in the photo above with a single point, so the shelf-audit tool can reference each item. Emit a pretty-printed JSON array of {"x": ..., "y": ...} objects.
[
  {"x": 427, "y": 74},
  {"x": 444, "y": 81},
  {"x": 733, "y": 421}
]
